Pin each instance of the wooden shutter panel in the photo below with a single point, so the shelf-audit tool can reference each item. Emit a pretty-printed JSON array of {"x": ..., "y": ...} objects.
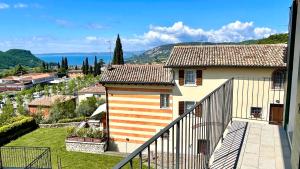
[
  {"x": 199, "y": 77},
  {"x": 181, "y": 77},
  {"x": 181, "y": 107},
  {"x": 198, "y": 110}
]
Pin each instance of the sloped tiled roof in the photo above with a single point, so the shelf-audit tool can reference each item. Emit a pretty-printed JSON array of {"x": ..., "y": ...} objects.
[
  {"x": 50, "y": 100},
  {"x": 95, "y": 89},
  {"x": 137, "y": 74},
  {"x": 228, "y": 55}
]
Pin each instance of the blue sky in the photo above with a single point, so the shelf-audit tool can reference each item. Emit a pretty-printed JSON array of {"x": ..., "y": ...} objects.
[{"x": 44, "y": 26}]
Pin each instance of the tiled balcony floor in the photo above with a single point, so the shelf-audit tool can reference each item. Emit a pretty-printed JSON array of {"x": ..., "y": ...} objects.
[{"x": 250, "y": 145}]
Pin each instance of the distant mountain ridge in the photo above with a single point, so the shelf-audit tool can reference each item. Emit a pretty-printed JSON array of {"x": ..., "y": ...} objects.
[
  {"x": 13, "y": 57},
  {"x": 161, "y": 53}
]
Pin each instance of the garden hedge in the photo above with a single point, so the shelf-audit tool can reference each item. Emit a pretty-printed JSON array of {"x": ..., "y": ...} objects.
[{"x": 13, "y": 131}]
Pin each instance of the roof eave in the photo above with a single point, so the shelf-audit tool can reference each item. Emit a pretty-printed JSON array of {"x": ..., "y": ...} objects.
[
  {"x": 137, "y": 83},
  {"x": 202, "y": 66}
]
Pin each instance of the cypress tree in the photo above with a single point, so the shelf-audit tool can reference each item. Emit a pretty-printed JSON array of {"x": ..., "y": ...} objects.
[
  {"x": 118, "y": 53},
  {"x": 58, "y": 65},
  {"x": 87, "y": 65},
  {"x": 62, "y": 62},
  {"x": 66, "y": 63},
  {"x": 95, "y": 67},
  {"x": 83, "y": 67},
  {"x": 91, "y": 70},
  {"x": 76, "y": 68}
]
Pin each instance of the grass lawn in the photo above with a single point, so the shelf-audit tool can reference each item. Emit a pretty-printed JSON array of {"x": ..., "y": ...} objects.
[{"x": 55, "y": 139}]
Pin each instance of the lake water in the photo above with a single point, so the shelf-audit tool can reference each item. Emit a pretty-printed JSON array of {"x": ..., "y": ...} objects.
[{"x": 77, "y": 58}]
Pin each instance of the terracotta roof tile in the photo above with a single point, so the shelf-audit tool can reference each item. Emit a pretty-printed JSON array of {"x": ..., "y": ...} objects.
[
  {"x": 137, "y": 74},
  {"x": 50, "y": 100},
  {"x": 228, "y": 55},
  {"x": 96, "y": 89}
]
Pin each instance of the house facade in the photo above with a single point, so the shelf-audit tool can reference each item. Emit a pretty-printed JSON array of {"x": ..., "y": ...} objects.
[{"x": 142, "y": 99}]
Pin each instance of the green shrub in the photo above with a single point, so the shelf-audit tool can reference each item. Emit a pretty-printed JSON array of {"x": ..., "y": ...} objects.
[
  {"x": 71, "y": 131},
  {"x": 82, "y": 132},
  {"x": 98, "y": 134},
  {"x": 16, "y": 129},
  {"x": 77, "y": 119}
]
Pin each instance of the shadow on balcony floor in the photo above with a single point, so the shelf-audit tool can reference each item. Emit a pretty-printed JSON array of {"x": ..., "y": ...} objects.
[{"x": 227, "y": 155}]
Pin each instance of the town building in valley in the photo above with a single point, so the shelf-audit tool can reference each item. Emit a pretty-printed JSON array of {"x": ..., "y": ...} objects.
[
  {"x": 16, "y": 83},
  {"x": 44, "y": 104},
  {"x": 96, "y": 90},
  {"x": 142, "y": 99}
]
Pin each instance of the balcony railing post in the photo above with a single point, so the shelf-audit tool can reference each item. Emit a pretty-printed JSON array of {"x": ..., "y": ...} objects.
[
  {"x": 223, "y": 113},
  {"x": 177, "y": 144},
  {"x": 207, "y": 132},
  {"x": 1, "y": 165}
]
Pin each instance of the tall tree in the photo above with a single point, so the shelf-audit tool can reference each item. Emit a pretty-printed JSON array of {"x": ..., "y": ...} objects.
[
  {"x": 83, "y": 67},
  {"x": 91, "y": 70},
  {"x": 58, "y": 65},
  {"x": 118, "y": 53},
  {"x": 95, "y": 67},
  {"x": 66, "y": 63},
  {"x": 87, "y": 65},
  {"x": 62, "y": 62},
  {"x": 100, "y": 65}
]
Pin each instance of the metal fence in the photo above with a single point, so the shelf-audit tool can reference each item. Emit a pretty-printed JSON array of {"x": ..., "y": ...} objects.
[
  {"x": 254, "y": 97},
  {"x": 190, "y": 140},
  {"x": 25, "y": 157}
]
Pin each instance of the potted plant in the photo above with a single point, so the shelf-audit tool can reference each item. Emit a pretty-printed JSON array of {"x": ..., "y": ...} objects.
[
  {"x": 71, "y": 135},
  {"x": 81, "y": 133},
  {"x": 89, "y": 135},
  {"x": 97, "y": 135}
]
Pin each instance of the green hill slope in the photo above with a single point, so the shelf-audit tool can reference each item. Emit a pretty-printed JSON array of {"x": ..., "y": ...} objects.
[
  {"x": 14, "y": 57},
  {"x": 161, "y": 53}
]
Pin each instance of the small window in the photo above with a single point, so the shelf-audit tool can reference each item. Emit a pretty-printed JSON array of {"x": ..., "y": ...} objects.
[
  {"x": 188, "y": 105},
  {"x": 202, "y": 147},
  {"x": 278, "y": 79},
  {"x": 189, "y": 77},
  {"x": 256, "y": 112},
  {"x": 164, "y": 100}
]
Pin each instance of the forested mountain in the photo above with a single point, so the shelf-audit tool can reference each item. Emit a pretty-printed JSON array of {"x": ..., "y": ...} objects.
[{"x": 14, "y": 57}]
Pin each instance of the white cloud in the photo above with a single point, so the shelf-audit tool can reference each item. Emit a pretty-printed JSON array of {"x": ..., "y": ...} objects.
[
  {"x": 4, "y": 5},
  {"x": 20, "y": 5},
  {"x": 63, "y": 23},
  {"x": 179, "y": 32},
  {"x": 156, "y": 35},
  {"x": 91, "y": 38},
  {"x": 94, "y": 26}
]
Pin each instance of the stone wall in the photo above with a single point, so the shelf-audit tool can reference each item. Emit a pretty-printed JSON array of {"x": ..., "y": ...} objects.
[
  {"x": 86, "y": 147},
  {"x": 58, "y": 125}
]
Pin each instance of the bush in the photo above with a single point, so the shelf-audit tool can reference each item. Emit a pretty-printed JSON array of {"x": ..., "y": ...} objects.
[
  {"x": 62, "y": 111},
  {"x": 77, "y": 119},
  {"x": 71, "y": 131},
  {"x": 16, "y": 129},
  {"x": 87, "y": 107}
]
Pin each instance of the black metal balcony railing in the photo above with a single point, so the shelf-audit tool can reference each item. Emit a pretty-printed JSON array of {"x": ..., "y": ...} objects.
[
  {"x": 253, "y": 97},
  {"x": 25, "y": 157},
  {"x": 190, "y": 140}
]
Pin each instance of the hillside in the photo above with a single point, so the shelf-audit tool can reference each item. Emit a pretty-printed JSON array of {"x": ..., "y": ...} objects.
[
  {"x": 161, "y": 53},
  {"x": 14, "y": 57}
]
